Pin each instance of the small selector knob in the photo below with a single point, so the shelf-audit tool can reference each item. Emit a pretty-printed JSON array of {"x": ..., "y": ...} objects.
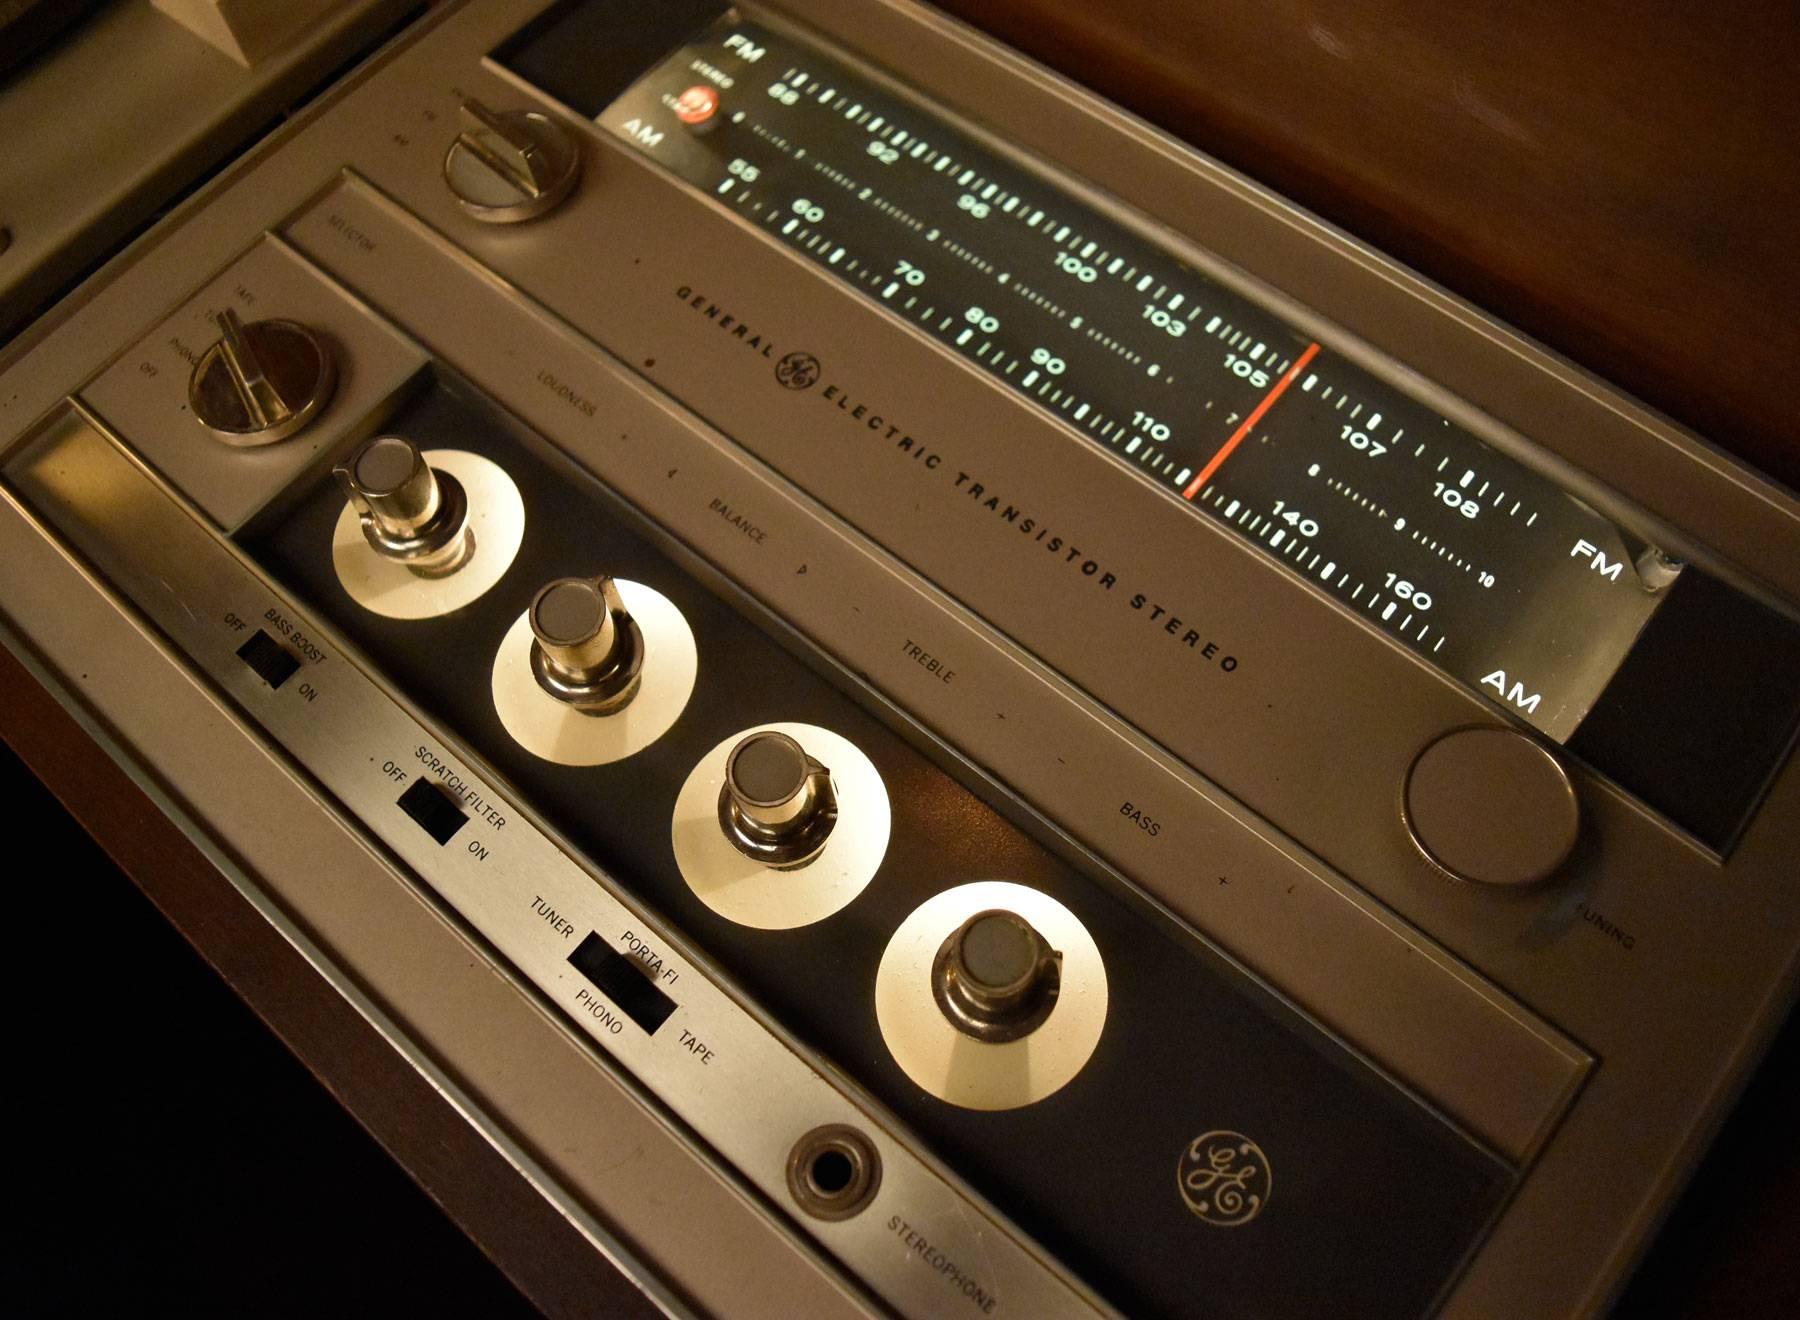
[
  {"x": 260, "y": 382},
  {"x": 996, "y": 978},
  {"x": 509, "y": 166},
  {"x": 588, "y": 651},
  {"x": 409, "y": 512},
  {"x": 778, "y": 805}
]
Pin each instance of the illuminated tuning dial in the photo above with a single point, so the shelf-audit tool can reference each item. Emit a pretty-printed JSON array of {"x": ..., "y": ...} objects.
[
  {"x": 778, "y": 805},
  {"x": 510, "y": 166},
  {"x": 586, "y": 651},
  {"x": 996, "y": 978},
  {"x": 260, "y": 382},
  {"x": 409, "y": 513}
]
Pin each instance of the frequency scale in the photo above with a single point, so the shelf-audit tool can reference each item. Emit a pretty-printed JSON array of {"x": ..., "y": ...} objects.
[
  {"x": 1437, "y": 538},
  {"x": 1039, "y": 765}
]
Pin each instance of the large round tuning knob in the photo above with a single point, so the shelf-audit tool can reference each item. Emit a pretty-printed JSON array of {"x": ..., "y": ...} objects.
[
  {"x": 996, "y": 978},
  {"x": 1492, "y": 806},
  {"x": 777, "y": 805},
  {"x": 586, "y": 650},
  {"x": 260, "y": 382},
  {"x": 409, "y": 513},
  {"x": 510, "y": 166}
]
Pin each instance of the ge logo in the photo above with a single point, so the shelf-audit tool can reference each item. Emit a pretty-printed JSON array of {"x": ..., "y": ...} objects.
[
  {"x": 798, "y": 371},
  {"x": 1224, "y": 1178}
]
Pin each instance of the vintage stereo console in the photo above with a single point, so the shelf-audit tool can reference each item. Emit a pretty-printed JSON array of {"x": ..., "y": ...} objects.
[{"x": 917, "y": 698}]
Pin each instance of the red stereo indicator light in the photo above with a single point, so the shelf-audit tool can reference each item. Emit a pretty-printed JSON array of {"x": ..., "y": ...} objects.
[{"x": 697, "y": 105}]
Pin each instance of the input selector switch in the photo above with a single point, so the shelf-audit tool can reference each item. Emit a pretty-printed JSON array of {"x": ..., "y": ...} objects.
[
  {"x": 409, "y": 512},
  {"x": 586, "y": 651},
  {"x": 995, "y": 977},
  {"x": 777, "y": 805},
  {"x": 260, "y": 382}
]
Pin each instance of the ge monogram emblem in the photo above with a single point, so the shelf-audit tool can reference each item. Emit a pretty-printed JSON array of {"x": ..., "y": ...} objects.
[
  {"x": 797, "y": 371},
  {"x": 1224, "y": 1178}
]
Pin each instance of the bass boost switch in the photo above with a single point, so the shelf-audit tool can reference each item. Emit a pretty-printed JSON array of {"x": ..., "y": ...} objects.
[
  {"x": 409, "y": 512},
  {"x": 268, "y": 659}
]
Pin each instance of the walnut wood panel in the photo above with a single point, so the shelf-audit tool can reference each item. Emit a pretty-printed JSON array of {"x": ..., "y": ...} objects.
[
  {"x": 543, "y": 1255},
  {"x": 1618, "y": 180}
]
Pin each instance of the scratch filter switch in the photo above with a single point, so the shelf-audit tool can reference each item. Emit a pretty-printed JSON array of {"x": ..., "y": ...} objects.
[
  {"x": 269, "y": 659},
  {"x": 433, "y": 809},
  {"x": 623, "y": 980}
]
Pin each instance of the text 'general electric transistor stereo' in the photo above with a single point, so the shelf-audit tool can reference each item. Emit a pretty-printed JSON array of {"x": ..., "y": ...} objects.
[{"x": 1069, "y": 738}]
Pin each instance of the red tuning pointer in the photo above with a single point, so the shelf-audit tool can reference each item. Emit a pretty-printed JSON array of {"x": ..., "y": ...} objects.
[{"x": 1237, "y": 436}]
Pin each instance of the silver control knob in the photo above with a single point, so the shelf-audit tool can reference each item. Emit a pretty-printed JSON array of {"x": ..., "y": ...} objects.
[
  {"x": 510, "y": 166},
  {"x": 996, "y": 978},
  {"x": 260, "y": 382},
  {"x": 778, "y": 805},
  {"x": 409, "y": 513},
  {"x": 587, "y": 650}
]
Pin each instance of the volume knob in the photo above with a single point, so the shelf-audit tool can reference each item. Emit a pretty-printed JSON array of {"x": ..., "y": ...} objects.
[
  {"x": 778, "y": 805},
  {"x": 260, "y": 382},
  {"x": 995, "y": 977},
  {"x": 587, "y": 650},
  {"x": 511, "y": 166},
  {"x": 409, "y": 513}
]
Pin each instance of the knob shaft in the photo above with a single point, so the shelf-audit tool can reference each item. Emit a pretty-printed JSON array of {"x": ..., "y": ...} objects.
[
  {"x": 511, "y": 166},
  {"x": 778, "y": 805},
  {"x": 260, "y": 382},
  {"x": 409, "y": 512},
  {"x": 996, "y": 978},
  {"x": 588, "y": 651}
]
